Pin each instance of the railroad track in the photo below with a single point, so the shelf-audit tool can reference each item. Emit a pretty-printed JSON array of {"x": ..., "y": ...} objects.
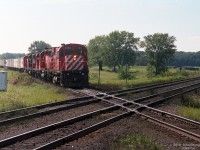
[
  {"x": 34, "y": 109},
  {"x": 47, "y": 109},
  {"x": 129, "y": 112},
  {"x": 119, "y": 108}
]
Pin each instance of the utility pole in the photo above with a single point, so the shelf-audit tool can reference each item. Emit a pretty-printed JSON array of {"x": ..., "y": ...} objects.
[
  {"x": 100, "y": 64},
  {"x": 126, "y": 72}
]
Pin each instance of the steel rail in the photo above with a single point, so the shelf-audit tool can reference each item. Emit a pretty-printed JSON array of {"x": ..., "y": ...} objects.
[
  {"x": 116, "y": 105},
  {"x": 85, "y": 98},
  {"x": 134, "y": 102},
  {"x": 32, "y": 133},
  {"x": 151, "y": 104},
  {"x": 47, "y": 105},
  {"x": 143, "y": 90},
  {"x": 95, "y": 127},
  {"x": 33, "y": 115},
  {"x": 154, "y": 85},
  {"x": 26, "y": 135},
  {"x": 82, "y": 132},
  {"x": 175, "y": 116},
  {"x": 160, "y": 93},
  {"x": 174, "y": 128},
  {"x": 38, "y": 114}
]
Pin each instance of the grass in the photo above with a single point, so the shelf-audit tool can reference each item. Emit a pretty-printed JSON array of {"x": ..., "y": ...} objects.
[
  {"x": 24, "y": 91},
  {"x": 190, "y": 112},
  {"x": 109, "y": 80},
  {"x": 191, "y": 106},
  {"x": 191, "y": 100},
  {"x": 135, "y": 142}
]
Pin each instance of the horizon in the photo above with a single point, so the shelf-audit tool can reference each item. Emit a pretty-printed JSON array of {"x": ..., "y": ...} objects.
[{"x": 137, "y": 50}]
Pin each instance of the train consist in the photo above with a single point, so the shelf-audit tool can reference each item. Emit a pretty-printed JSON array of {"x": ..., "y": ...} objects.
[{"x": 66, "y": 65}]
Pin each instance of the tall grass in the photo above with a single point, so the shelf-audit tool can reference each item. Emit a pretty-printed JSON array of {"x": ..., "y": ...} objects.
[
  {"x": 191, "y": 106},
  {"x": 24, "y": 91},
  {"x": 109, "y": 79},
  {"x": 190, "y": 112},
  {"x": 191, "y": 100}
]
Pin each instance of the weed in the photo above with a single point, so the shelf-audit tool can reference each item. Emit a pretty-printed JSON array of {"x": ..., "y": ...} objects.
[
  {"x": 130, "y": 96},
  {"x": 135, "y": 142},
  {"x": 191, "y": 105},
  {"x": 190, "y": 112},
  {"x": 191, "y": 100}
]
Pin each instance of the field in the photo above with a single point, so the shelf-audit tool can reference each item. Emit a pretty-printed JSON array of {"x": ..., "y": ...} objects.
[
  {"x": 140, "y": 77},
  {"x": 24, "y": 91}
]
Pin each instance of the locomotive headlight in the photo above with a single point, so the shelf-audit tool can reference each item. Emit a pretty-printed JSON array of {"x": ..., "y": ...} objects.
[{"x": 75, "y": 57}]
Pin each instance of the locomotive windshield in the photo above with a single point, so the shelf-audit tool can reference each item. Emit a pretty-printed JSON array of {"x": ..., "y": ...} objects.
[
  {"x": 68, "y": 50},
  {"x": 77, "y": 51}
]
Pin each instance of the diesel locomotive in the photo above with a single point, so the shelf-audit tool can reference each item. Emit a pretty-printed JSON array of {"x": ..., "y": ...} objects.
[{"x": 66, "y": 65}]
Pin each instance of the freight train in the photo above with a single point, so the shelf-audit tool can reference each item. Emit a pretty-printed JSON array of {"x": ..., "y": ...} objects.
[{"x": 66, "y": 65}]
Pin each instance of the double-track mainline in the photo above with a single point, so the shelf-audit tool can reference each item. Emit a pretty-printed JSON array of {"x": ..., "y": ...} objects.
[{"x": 118, "y": 107}]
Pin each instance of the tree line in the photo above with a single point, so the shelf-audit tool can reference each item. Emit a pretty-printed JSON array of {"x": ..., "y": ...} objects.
[
  {"x": 36, "y": 46},
  {"x": 11, "y": 55},
  {"x": 179, "y": 58}
]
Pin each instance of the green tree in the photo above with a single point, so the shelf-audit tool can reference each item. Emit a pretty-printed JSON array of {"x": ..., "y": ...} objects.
[
  {"x": 95, "y": 50},
  {"x": 186, "y": 59},
  {"x": 141, "y": 58},
  {"x": 38, "y": 46},
  {"x": 116, "y": 49},
  {"x": 120, "y": 49},
  {"x": 160, "y": 48}
]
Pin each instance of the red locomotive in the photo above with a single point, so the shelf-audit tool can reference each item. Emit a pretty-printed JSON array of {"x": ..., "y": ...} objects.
[{"x": 66, "y": 65}]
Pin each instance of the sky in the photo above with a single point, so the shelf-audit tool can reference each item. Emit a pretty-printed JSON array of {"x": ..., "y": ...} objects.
[{"x": 78, "y": 21}]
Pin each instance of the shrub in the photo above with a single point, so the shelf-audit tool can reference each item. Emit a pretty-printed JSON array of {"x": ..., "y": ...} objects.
[
  {"x": 191, "y": 101},
  {"x": 183, "y": 73},
  {"x": 125, "y": 74}
]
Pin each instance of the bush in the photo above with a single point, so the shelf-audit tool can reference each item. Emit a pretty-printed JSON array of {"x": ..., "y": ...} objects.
[
  {"x": 183, "y": 73},
  {"x": 125, "y": 74},
  {"x": 191, "y": 101}
]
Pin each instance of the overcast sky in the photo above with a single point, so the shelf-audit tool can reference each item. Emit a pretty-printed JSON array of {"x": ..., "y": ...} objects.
[{"x": 77, "y": 21}]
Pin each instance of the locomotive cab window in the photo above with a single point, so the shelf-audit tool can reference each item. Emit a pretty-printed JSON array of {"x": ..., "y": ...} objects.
[
  {"x": 77, "y": 51},
  {"x": 48, "y": 53},
  {"x": 61, "y": 53}
]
